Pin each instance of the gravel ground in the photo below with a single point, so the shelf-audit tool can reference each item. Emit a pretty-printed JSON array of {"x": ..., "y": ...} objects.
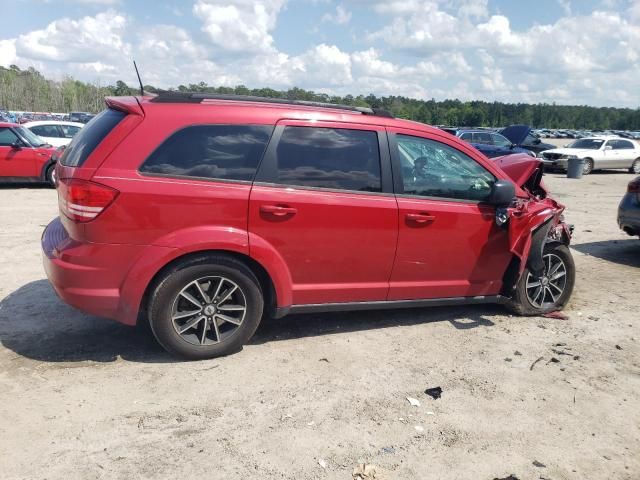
[{"x": 313, "y": 396}]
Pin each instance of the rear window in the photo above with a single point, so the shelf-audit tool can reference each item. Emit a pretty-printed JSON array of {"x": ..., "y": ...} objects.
[
  {"x": 225, "y": 152},
  {"x": 89, "y": 137}
]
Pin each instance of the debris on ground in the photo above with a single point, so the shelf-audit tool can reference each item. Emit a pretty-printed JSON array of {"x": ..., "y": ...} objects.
[
  {"x": 553, "y": 360},
  {"x": 322, "y": 462},
  {"x": 538, "y": 464},
  {"x": 510, "y": 477},
  {"x": 388, "y": 450},
  {"x": 507, "y": 359},
  {"x": 326, "y": 360},
  {"x": 534, "y": 363},
  {"x": 618, "y": 347},
  {"x": 517, "y": 353},
  {"x": 419, "y": 428},
  {"x": 435, "y": 392},
  {"x": 414, "y": 402},
  {"x": 366, "y": 472},
  {"x": 557, "y": 315}
]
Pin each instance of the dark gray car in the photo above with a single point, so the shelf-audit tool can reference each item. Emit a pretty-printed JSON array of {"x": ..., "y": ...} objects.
[{"x": 629, "y": 209}]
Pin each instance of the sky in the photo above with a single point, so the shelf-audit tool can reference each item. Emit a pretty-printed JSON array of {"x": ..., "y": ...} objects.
[{"x": 576, "y": 52}]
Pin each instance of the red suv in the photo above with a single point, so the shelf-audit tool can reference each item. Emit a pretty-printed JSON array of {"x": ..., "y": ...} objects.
[
  {"x": 24, "y": 156},
  {"x": 200, "y": 214}
]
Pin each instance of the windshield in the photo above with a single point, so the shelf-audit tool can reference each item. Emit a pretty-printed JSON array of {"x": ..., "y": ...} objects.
[
  {"x": 587, "y": 144},
  {"x": 33, "y": 139}
]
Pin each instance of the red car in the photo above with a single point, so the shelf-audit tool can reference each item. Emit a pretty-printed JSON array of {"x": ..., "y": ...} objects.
[
  {"x": 199, "y": 214},
  {"x": 24, "y": 157}
]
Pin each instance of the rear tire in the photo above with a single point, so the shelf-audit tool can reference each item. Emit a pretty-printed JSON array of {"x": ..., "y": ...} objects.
[
  {"x": 588, "y": 166},
  {"x": 551, "y": 292},
  {"x": 50, "y": 175},
  {"x": 229, "y": 311},
  {"x": 635, "y": 167}
]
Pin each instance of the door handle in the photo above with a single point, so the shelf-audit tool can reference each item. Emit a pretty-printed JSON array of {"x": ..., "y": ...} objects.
[
  {"x": 278, "y": 210},
  {"x": 420, "y": 218}
]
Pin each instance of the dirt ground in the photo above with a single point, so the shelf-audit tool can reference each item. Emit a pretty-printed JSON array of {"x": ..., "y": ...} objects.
[{"x": 313, "y": 396}]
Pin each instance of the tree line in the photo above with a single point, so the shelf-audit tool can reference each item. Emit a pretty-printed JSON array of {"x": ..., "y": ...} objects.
[{"x": 29, "y": 90}]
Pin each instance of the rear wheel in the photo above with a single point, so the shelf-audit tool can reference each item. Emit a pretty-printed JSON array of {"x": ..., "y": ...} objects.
[
  {"x": 635, "y": 167},
  {"x": 551, "y": 291},
  {"x": 206, "y": 307},
  {"x": 50, "y": 175},
  {"x": 588, "y": 166}
]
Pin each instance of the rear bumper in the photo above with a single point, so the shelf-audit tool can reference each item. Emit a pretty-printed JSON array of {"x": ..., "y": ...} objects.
[
  {"x": 88, "y": 276},
  {"x": 629, "y": 214}
]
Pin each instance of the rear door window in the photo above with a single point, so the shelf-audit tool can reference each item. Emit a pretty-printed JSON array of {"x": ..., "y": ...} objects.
[
  {"x": 481, "y": 137},
  {"x": 225, "y": 152},
  {"x": 333, "y": 158},
  {"x": 89, "y": 137}
]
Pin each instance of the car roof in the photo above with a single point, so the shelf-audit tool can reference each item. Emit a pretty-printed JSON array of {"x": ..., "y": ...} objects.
[
  {"x": 37, "y": 123},
  {"x": 273, "y": 110}
]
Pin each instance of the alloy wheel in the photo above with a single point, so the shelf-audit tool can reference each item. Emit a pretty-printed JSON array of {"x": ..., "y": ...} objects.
[
  {"x": 208, "y": 310},
  {"x": 547, "y": 290}
]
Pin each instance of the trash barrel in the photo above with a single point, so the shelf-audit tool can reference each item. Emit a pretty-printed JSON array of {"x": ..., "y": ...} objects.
[{"x": 575, "y": 167}]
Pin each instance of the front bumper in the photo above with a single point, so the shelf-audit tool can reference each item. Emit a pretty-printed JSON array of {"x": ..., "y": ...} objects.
[{"x": 560, "y": 164}]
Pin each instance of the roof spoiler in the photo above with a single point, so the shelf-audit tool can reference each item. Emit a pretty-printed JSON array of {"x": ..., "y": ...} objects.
[{"x": 129, "y": 105}]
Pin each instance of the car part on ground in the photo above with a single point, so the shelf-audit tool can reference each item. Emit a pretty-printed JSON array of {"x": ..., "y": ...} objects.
[{"x": 285, "y": 207}]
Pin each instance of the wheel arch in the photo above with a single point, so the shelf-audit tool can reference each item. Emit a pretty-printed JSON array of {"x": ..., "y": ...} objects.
[{"x": 264, "y": 278}]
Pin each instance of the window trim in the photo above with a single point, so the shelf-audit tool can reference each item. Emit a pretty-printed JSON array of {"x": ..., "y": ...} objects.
[
  {"x": 206, "y": 179},
  {"x": 397, "y": 170},
  {"x": 267, "y": 174}
]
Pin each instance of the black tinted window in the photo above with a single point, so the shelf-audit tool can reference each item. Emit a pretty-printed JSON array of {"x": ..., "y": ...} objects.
[
  {"x": 228, "y": 152},
  {"x": 90, "y": 136},
  {"x": 46, "y": 131},
  {"x": 329, "y": 158},
  {"x": 7, "y": 137},
  {"x": 621, "y": 145}
]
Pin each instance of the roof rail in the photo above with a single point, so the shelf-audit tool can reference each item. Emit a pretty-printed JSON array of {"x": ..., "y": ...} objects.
[{"x": 189, "y": 97}]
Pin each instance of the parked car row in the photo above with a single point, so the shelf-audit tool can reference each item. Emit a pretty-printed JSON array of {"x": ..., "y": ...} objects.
[{"x": 576, "y": 134}]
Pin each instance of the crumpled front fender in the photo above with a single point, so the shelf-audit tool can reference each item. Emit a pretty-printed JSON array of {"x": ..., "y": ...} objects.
[{"x": 532, "y": 223}]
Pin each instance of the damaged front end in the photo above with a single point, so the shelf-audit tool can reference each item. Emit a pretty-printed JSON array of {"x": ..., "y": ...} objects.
[{"x": 533, "y": 220}]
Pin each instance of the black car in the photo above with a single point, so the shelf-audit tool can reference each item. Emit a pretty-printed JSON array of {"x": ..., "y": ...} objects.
[
  {"x": 521, "y": 136},
  {"x": 629, "y": 209}
]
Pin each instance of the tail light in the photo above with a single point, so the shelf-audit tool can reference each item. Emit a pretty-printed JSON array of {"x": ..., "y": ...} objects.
[
  {"x": 634, "y": 186},
  {"x": 82, "y": 200}
]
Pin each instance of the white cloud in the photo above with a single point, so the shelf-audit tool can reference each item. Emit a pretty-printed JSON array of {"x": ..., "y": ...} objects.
[
  {"x": 239, "y": 25},
  {"x": 77, "y": 41},
  {"x": 341, "y": 17}
]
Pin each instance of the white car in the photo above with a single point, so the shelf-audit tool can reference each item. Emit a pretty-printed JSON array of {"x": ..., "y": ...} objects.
[
  {"x": 54, "y": 132},
  {"x": 599, "y": 153}
]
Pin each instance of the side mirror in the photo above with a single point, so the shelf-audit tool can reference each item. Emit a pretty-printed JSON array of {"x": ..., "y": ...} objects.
[
  {"x": 512, "y": 146},
  {"x": 502, "y": 193},
  {"x": 608, "y": 147},
  {"x": 537, "y": 141},
  {"x": 16, "y": 146}
]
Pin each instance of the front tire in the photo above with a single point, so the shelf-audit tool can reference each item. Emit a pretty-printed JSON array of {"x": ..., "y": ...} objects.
[
  {"x": 635, "y": 167},
  {"x": 551, "y": 292},
  {"x": 588, "y": 166},
  {"x": 206, "y": 307}
]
